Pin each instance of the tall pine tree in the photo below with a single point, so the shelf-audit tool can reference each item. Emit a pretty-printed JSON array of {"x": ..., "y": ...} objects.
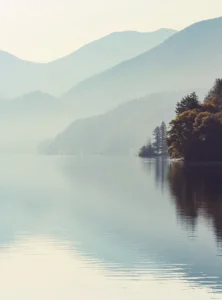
[
  {"x": 163, "y": 147},
  {"x": 157, "y": 140},
  {"x": 159, "y": 145}
]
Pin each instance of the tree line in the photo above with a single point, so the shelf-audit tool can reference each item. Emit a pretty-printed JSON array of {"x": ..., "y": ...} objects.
[
  {"x": 158, "y": 146},
  {"x": 195, "y": 134}
]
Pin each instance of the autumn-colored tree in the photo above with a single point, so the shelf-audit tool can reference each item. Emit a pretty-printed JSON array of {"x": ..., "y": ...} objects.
[
  {"x": 196, "y": 132},
  {"x": 180, "y": 137}
]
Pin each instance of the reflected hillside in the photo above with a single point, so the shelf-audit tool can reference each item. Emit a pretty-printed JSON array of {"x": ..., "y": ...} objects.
[{"x": 197, "y": 192}]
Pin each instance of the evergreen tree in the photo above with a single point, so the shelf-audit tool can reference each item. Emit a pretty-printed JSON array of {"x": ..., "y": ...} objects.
[
  {"x": 147, "y": 151},
  {"x": 163, "y": 131},
  {"x": 159, "y": 146},
  {"x": 215, "y": 91},
  {"x": 187, "y": 103},
  {"x": 157, "y": 140},
  {"x": 214, "y": 96}
]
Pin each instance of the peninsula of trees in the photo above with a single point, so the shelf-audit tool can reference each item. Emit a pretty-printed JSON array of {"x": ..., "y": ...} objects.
[{"x": 196, "y": 132}]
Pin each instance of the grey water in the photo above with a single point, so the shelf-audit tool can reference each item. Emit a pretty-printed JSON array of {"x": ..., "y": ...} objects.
[{"x": 109, "y": 228}]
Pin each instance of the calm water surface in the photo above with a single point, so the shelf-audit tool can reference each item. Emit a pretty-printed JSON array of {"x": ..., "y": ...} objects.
[{"x": 109, "y": 228}]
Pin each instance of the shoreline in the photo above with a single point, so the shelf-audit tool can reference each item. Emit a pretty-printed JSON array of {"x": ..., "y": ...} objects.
[{"x": 197, "y": 163}]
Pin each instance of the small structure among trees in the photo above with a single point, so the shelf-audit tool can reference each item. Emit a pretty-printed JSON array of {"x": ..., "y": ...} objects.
[
  {"x": 158, "y": 147},
  {"x": 196, "y": 132}
]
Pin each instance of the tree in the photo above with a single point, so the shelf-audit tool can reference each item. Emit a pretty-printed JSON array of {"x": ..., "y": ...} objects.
[
  {"x": 163, "y": 130},
  {"x": 159, "y": 146},
  {"x": 181, "y": 135},
  {"x": 157, "y": 140},
  {"x": 208, "y": 129},
  {"x": 187, "y": 103},
  {"x": 147, "y": 151},
  {"x": 214, "y": 96},
  {"x": 196, "y": 132}
]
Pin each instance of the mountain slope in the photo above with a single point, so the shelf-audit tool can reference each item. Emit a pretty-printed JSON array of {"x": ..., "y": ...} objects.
[
  {"x": 31, "y": 103},
  {"x": 121, "y": 131},
  {"x": 18, "y": 76},
  {"x": 27, "y": 120},
  {"x": 190, "y": 58},
  {"x": 105, "y": 53}
]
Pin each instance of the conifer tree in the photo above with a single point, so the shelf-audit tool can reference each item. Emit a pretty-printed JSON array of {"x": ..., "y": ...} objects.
[
  {"x": 157, "y": 140},
  {"x": 163, "y": 130}
]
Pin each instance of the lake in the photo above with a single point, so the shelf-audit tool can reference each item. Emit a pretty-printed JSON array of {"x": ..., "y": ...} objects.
[{"x": 109, "y": 228}]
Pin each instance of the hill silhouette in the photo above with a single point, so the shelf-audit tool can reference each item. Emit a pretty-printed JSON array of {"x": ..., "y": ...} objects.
[
  {"x": 187, "y": 60},
  {"x": 18, "y": 76}
]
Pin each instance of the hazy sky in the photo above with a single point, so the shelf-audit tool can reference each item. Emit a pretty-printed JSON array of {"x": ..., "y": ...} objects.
[{"x": 43, "y": 30}]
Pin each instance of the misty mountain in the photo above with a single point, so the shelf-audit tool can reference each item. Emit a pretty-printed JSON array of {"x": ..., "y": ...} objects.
[
  {"x": 121, "y": 131},
  {"x": 25, "y": 121},
  {"x": 18, "y": 76},
  {"x": 189, "y": 59},
  {"x": 31, "y": 103}
]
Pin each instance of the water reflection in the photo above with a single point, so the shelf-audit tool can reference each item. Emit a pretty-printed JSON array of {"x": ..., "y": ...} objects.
[
  {"x": 197, "y": 191},
  {"x": 114, "y": 217},
  {"x": 159, "y": 168},
  {"x": 136, "y": 215}
]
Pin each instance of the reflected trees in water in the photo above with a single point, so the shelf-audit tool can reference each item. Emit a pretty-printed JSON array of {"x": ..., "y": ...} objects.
[{"x": 196, "y": 191}]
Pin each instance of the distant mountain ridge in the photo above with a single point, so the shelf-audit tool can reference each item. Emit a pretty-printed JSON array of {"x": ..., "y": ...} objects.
[
  {"x": 18, "y": 76},
  {"x": 31, "y": 103},
  {"x": 188, "y": 59}
]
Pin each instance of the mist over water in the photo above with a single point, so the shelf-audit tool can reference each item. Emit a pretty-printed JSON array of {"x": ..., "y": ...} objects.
[
  {"x": 109, "y": 228},
  {"x": 26, "y": 133}
]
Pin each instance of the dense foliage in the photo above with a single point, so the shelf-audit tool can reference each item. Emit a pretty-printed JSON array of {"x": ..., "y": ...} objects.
[
  {"x": 196, "y": 132},
  {"x": 159, "y": 146}
]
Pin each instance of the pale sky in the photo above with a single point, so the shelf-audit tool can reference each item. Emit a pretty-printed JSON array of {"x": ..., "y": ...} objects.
[{"x": 43, "y": 30}]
